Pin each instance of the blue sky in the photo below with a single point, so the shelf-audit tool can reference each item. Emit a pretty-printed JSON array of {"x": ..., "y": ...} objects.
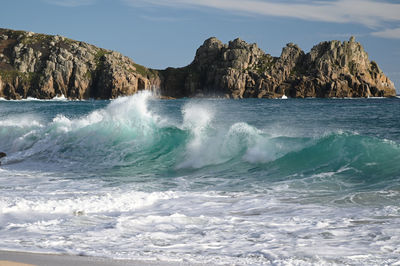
[{"x": 161, "y": 33}]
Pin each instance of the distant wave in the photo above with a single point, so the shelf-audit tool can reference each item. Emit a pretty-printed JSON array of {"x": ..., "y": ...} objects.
[{"x": 56, "y": 98}]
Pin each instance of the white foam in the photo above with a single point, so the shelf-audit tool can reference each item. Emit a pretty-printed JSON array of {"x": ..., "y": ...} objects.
[
  {"x": 211, "y": 145},
  {"x": 124, "y": 111},
  {"x": 64, "y": 124},
  {"x": 204, "y": 226},
  {"x": 258, "y": 155},
  {"x": 124, "y": 119},
  {"x": 239, "y": 137},
  {"x": 97, "y": 203},
  {"x": 197, "y": 118},
  {"x": 60, "y": 98},
  {"x": 21, "y": 121},
  {"x": 30, "y": 99}
]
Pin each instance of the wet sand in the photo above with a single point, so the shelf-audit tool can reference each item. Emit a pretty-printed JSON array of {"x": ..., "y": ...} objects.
[{"x": 13, "y": 258}]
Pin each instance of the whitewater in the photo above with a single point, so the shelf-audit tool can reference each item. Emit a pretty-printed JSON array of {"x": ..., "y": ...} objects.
[{"x": 216, "y": 181}]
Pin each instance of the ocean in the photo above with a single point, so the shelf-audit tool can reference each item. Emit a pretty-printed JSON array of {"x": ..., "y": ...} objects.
[{"x": 215, "y": 181}]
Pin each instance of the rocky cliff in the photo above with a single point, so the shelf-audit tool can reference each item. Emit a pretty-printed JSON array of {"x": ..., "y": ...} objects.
[
  {"x": 44, "y": 66},
  {"x": 241, "y": 70}
]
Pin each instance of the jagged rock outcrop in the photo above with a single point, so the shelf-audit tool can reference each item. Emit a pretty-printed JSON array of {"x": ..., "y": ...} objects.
[
  {"x": 2, "y": 154},
  {"x": 241, "y": 70},
  {"x": 44, "y": 66}
]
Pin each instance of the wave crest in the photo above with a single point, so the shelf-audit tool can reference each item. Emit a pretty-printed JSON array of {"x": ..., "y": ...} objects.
[{"x": 127, "y": 135}]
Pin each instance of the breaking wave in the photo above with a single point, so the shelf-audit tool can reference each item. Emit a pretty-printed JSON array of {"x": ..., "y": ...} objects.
[{"x": 126, "y": 134}]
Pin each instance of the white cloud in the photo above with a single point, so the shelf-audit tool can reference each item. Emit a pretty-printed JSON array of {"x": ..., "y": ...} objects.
[
  {"x": 371, "y": 13},
  {"x": 70, "y": 3},
  {"x": 388, "y": 33}
]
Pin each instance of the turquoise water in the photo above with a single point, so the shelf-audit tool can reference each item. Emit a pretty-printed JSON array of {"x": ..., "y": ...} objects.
[{"x": 297, "y": 181}]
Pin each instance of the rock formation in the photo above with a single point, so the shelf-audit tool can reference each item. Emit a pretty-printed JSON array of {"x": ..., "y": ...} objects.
[
  {"x": 241, "y": 70},
  {"x": 2, "y": 154},
  {"x": 44, "y": 66}
]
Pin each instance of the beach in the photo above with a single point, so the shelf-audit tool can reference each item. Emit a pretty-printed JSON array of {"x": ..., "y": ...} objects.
[{"x": 14, "y": 258}]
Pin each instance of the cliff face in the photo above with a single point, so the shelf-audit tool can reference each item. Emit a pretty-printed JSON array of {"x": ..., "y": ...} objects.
[
  {"x": 44, "y": 66},
  {"x": 241, "y": 70}
]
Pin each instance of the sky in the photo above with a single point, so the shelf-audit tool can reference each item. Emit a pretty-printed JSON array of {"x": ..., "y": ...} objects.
[{"x": 163, "y": 33}]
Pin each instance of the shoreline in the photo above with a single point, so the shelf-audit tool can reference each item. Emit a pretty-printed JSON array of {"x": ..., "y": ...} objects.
[{"x": 21, "y": 258}]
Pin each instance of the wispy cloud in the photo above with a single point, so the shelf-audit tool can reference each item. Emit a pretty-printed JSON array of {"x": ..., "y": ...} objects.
[
  {"x": 371, "y": 13},
  {"x": 388, "y": 33},
  {"x": 71, "y": 3},
  {"x": 343, "y": 35},
  {"x": 162, "y": 18}
]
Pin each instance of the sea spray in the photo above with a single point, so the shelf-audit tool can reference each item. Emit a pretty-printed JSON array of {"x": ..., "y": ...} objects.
[
  {"x": 124, "y": 121},
  {"x": 197, "y": 119}
]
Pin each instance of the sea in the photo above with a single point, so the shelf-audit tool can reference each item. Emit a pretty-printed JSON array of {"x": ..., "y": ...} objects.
[{"x": 210, "y": 181}]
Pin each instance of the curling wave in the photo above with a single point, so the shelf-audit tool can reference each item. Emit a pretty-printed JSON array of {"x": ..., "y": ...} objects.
[{"x": 125, "y": 134}]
